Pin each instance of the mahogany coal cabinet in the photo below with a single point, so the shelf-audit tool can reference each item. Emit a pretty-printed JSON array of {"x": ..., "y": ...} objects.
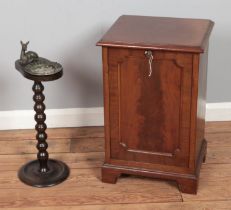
[{"x": 154, "y": 74}]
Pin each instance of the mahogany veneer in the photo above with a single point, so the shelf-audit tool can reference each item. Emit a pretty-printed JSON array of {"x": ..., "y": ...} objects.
[{"x": 154, "y": 72}]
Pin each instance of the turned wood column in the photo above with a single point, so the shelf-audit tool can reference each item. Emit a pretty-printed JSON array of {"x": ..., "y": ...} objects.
[
  {"x": 40, "y": 127},
  {"x": 43, "y": 171}
]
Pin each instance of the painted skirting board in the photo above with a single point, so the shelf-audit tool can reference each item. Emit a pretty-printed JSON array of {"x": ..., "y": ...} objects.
[
  {"x": 78, "y": 117},
  {"x": 218, "y": 111}
]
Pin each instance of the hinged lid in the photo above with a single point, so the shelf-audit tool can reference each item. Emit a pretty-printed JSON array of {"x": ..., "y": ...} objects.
[{"x": 162, "y": 33}]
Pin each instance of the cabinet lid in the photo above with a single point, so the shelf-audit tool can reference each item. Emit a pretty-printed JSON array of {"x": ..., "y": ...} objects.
[{"x": 162, "y": 33}]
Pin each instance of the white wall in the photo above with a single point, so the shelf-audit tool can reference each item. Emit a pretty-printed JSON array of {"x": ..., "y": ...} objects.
[{"x": 67, "y": 30}]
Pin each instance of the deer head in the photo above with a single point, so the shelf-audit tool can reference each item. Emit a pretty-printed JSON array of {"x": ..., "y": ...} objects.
[{"x": 24, "y": 45}]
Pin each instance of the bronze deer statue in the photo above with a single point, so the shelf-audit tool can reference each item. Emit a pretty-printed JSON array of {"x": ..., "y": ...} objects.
[{"x": 27, "y": 57}]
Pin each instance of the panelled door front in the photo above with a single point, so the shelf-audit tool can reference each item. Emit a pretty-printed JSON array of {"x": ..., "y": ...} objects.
[{"x": 149, "y": 97}]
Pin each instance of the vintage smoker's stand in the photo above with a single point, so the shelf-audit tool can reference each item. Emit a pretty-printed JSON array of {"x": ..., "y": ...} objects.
[{"x": 43, "y": 172}]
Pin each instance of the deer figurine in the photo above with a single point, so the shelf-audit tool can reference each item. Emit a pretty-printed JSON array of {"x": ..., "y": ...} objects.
[{"x": 27, "y": 57}]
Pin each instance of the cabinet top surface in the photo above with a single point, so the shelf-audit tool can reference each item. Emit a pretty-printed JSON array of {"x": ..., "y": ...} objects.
[{"x": 162, "y": 33}]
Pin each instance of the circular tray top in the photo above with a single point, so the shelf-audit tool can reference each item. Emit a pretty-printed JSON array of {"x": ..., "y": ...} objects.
[{"x": 40, "y": 70}]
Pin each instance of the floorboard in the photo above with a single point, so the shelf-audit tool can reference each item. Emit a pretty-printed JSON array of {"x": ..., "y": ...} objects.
[
  {"x": 216, "y": 205},
  {"x": 83, "y": 150}
]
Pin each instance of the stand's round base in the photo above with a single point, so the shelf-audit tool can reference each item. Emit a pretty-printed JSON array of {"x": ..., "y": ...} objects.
[{"x": 30, "y": 175}]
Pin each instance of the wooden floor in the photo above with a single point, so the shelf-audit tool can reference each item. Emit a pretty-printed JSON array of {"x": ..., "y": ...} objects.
[{"x": 82, "y": 149}]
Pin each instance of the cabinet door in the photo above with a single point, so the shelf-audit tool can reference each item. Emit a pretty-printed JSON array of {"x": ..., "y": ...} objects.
[{"x": 149, "y": 112}]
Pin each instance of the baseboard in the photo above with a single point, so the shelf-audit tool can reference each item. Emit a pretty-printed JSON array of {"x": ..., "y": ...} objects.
[
  {"x": 78, "y": 117},
  {"x": 218, "y": 111}
]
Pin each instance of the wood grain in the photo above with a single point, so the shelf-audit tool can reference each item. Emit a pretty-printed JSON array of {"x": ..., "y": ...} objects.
[
  {"x": 154, "y": 74},
  {"x": 215, "y": 183},
  {"x": 55, "y": 146},
  {"x": 54, "y": 133},
  {"x": 87, "y": 145},
  {"x": 158, "y": 33},
  {"x": 217, "y": 205},
  {"x": 218, "y": 127},
  {"x": 219, "y": 155},
  {"x": 74, "y": 160},
  {"x": 85, "y": 191},
  {"x": 215, "y": 139},
  {"x": 29, "y": 146},
  {"x": 84, "y": 187},
  {"x": 132, "y": 121}
]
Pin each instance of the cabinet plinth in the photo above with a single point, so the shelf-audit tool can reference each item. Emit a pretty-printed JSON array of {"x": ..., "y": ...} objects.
[{"x": 154, "y": 72}]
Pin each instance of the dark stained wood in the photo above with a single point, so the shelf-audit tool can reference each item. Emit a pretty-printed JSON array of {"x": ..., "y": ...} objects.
[
  {"x": 40, "y": 126},
  {"x": 202, "y": 61},
  {"x": 155, "y": 118},
  {"x": 168, "y": 83},
  {"x": 106, "y": 103},
  {"x": 42, "y": 172},
  {"x": 159, "y": 33}
]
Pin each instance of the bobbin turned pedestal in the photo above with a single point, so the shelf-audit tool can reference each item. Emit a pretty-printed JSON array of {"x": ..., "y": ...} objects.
[{"x": 43, "y": 172}]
